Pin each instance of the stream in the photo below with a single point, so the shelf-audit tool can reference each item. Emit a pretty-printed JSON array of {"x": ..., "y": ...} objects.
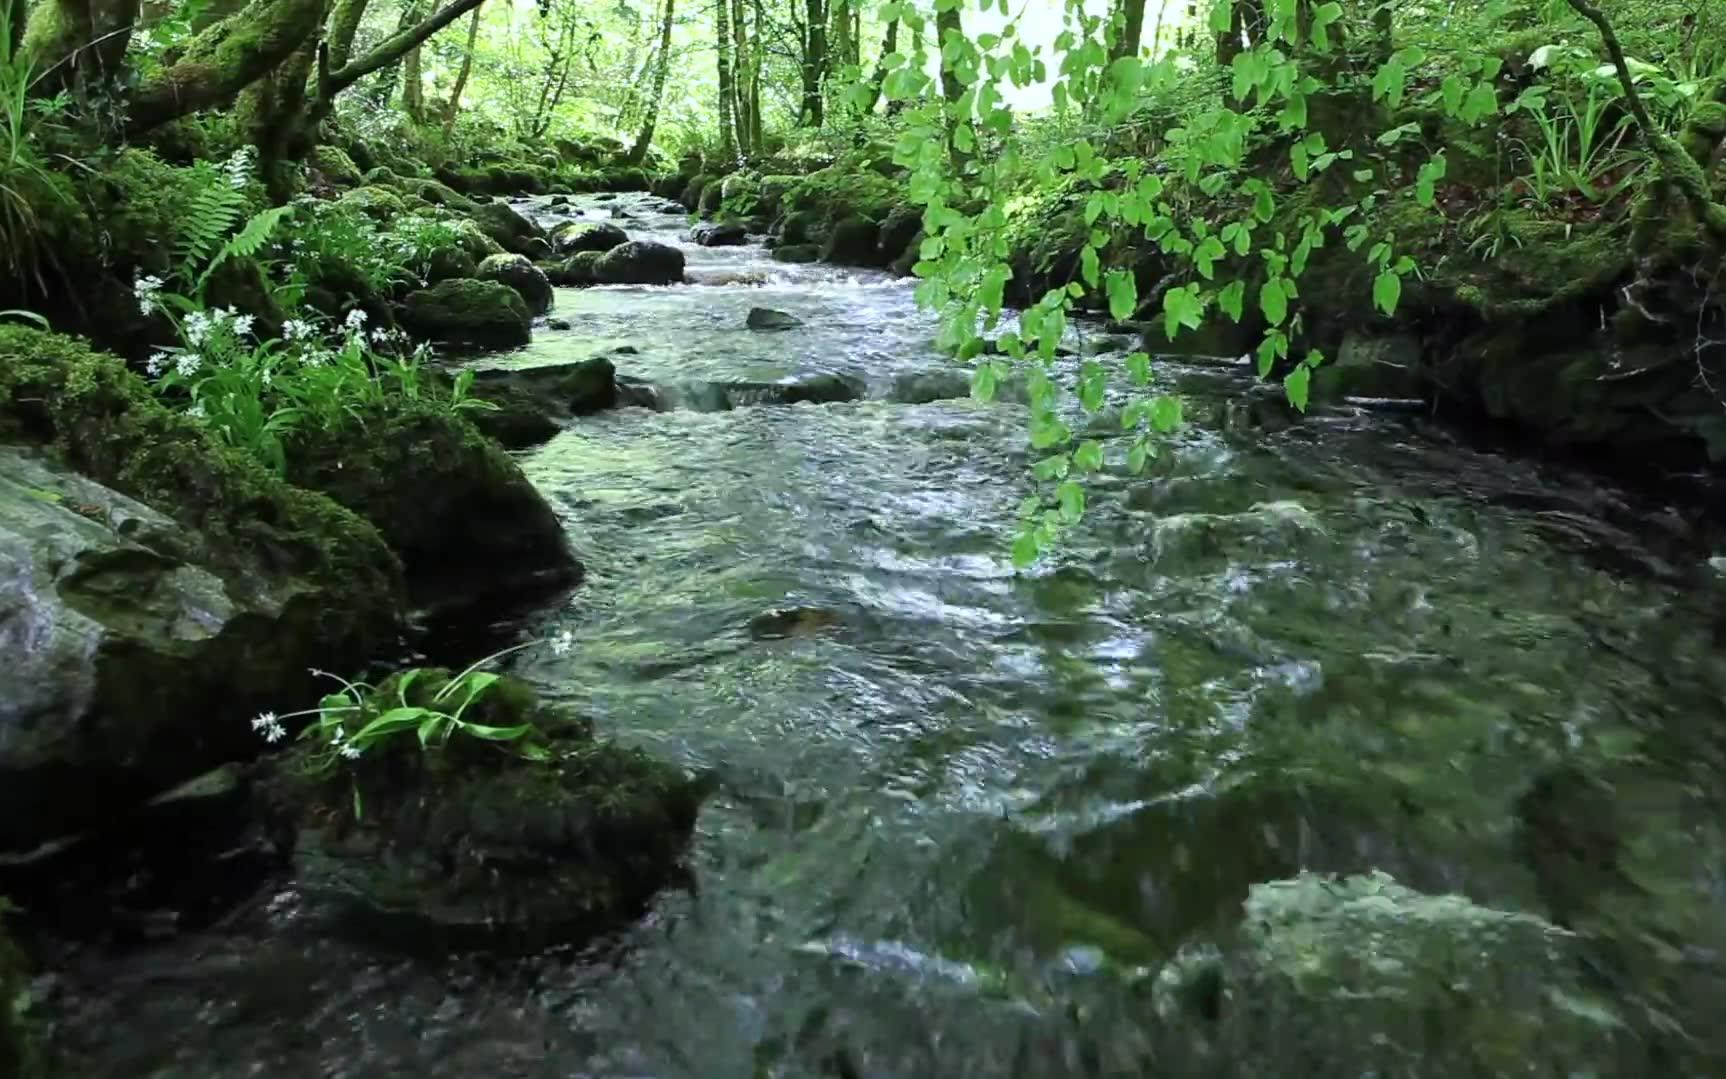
[{"x": 960, "y": 812}]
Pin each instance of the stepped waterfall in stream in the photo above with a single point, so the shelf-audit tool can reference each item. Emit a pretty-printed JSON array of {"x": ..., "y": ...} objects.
[{"x": 962, "y": 816}]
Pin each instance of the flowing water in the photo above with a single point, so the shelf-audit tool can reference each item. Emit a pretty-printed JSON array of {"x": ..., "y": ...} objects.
[{"x": 961, "y": 813}]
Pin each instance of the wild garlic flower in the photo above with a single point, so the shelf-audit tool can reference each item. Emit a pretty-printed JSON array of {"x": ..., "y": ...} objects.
[
  {"x": 355, "y": 320},
  {"x": 197, "y": 410},
  {"x": 197, "y": 327},
  {"x": 295, "y": 329},
  {"x": 350, "y": 751},
  {"x": 242, "y": 324},
  {"x": 158, "y": 363},
  {"x": 267, "y": 725},
  {"x": 145, "y": 289},
  {"x": 187, "y": 364},
  {"x": 563, "y": 643}
]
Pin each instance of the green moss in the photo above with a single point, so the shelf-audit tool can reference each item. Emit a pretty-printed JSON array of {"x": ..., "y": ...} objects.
[
  {"x": 461, "y": 311},
  {"x": 377, "y": 203},
  {"x": 105, "y": 422},
  {"x": 438, "y": 194},
  {"x": 382, "y": 176},
  {"x": 335, "y": 164}
]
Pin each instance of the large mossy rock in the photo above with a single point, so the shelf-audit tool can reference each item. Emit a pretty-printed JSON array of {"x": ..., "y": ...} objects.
[
  {"x": 509, "y": 229},
  {"x": 157, "y": 590},
  {"x": 528, "y": 280},
  {"x": 377, "y": 203},
  {"x": 577, "y": 271},
  {"x": 451, "y": 503},
  {"x": 854, "y": 241},
  {"x": 459, "y": 311},
  {"x": 518, "y": 844},
  {"x": 578, "y": 236},
  {"x": 532, "y": 402},
  {"x": 720, "y": 234},
  {"x": 641, "y": 262},
  {"x": 334, "y": 164},
  {"x": 1366, "y": 976},
  {"x": 18, "y": 1056}
]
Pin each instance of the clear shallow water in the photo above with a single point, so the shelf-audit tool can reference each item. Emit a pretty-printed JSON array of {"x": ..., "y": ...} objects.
[{"x": 950, "y": 826}]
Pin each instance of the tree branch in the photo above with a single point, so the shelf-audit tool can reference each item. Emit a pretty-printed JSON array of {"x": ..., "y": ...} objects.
[
  {"x": 225, "y": 59},
  {"x": 398, "y": 45}
]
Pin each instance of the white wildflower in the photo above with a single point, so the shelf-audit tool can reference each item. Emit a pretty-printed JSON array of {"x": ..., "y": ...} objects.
[
  {"x": 356, "y": 319},
  {"x": 351, "y": 751},
  {"x": 187, "y": 364},
  {"x": 563, "y": 643},
  {"x": 145, "y": 289},
  {"x": 197, "y": 327},
  {"x": 269, "y": 377},
  {"x": 196, "y": 411},
  {"x": 380, "y": 335},
  {"x": 263, "y": 720},
  {"x": 274, "y": 733},
  {"x": 158, "y": 363},
  {"x": 294, "y": 329},
  {"x": 243, "y": 324}
]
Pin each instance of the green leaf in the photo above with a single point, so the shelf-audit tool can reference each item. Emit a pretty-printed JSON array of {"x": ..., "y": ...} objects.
[
  {"x": 1386, "y": 291},
  {"x": 1206, "y": 255},
  {"x": 1089, "y": 456},
  {"x": 1273, "y": 301},
  {"x": 1166, "y": 414},
  {"x": 1123, "y": 293},
  {"x": 1072, "y": 499},
  {"x": 1232, "y": 299},
  {"x": 1481, "y": 102},
  {"x": 1090, "y": 267},
  {"x": 1264, "y": 204},
  {"x": 1222, "y": 16},
  {"x": 983, "y": 383},
  {"x": 1296, "y": 385},
  {"x": 1139, "y": 367},
  {"x": 1093, "y": 384},
  {"x": 1138, "y": 456},
  {"x": 1025, "y": 550}
]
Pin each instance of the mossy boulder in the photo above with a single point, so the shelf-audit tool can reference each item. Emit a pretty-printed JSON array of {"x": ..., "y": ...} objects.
[
  {"x": 533, "y": 402},
  {"x": 854, "y": 241},
  {"x": 797, "y": 253},
  {"x": 578, "y": 270},
  {"x": 1364, "y": 970},
  {"x": 900, "y": 231},
  {"x": 438, "y": 194},
  {"x": 336, "y": 167},
  {"x": 528, "y": 281},
  {"x": 468, "y": 312},
  {"x": 467, "y": 525},
  {"x": 161, "y": 589},
  {"x": 692, "y": 192},
  {"x": 475, "y": 241},
  {"x": 712, "y": 197},
  {"x": 720, "y": 234},
  {"x": 544, "y": 839},
  {"x": 377, "y": 203},
  {"x": 509, "y": 229},
  {"x": 18, "y": 1055},
  {"x": 801, "y": 227},
  {"x": 640, "y": 262},
  {"x": 450, "y": 262},
  {"x": 577, "y": 236},
  {"x": 381, "y": 176}
]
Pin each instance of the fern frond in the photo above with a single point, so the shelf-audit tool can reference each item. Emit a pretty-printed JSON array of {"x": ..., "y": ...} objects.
[
  {"x": 213, "y": 213},
  {"x": 249, "y": 240}
]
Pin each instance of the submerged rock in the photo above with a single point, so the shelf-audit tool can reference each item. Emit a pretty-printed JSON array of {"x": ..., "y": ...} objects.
[
  {"x": 766, "y": 318},
  {"x": 797, "y": 253},
  {"x": 528, "y": 281},
  {"x": 532, "y": 401},
  {"x": 522, "y": 842},
  {"x": 783, "y": 622},
  {"x": 1365, "y": 971},
  {"x": 715, "y": 234},
  {"x": 18, "y": 1057},
  {"x": 158, "y": 589},
  {"x": 454, "y": 506},
  {"x": 577, "y": 236},
  {"x": 922, "y": 387},
  {"x": 641, "y": 262},
  {"x": 460, "y": 311}
]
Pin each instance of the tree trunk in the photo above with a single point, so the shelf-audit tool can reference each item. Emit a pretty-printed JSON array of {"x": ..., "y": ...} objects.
[
  {"x": 948, "y": 22},
  {"x": 1132, "y": 29},
  {"x": 452, "y": 107},
  {"x": 814, "y": 62},
  {"x": 757, "y": 57},
  {"x": 889, "y": 45},
  {"x": 269, "y": 113},
  {"x": 75, "y": 42},
  {"x": 225, "y": 59},
  {"x": 1383, "y": 24},
  {"x": 638, "y": 153},
  {"x": 727, "y": 92},
  {"x": 743, "y": 107},
  {"x": 344, "y": 25}
]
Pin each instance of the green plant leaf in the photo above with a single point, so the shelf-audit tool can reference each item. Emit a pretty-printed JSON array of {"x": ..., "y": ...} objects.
[
  {"x": 1296, "y": 384},
  {"x": 1386, "y": 291},
  {"x": 1273, "y": 301}
]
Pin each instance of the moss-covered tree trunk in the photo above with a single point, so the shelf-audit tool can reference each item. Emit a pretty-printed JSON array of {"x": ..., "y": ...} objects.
[
  {"x": 1132, "y": 15},
  {"x": 889, "y": 45},
  {"x": 644, "y": 139},
  {"x": 452, "y": 107},
  {"x": 75, "y": 42},
  {"x": 225, "y": 59},
  {"x": 813, "y": 62},
  {"x": 745, "y": 109},
  {"x": 727, "y": 92}
]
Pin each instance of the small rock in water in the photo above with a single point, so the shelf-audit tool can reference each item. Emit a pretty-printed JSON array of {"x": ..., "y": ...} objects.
[
  {"x": 782, "y": 622},
  {"x": 557, "y": 324},
  {"x": 766, "y": 318},
  {"x": 714, "y": 234}
]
